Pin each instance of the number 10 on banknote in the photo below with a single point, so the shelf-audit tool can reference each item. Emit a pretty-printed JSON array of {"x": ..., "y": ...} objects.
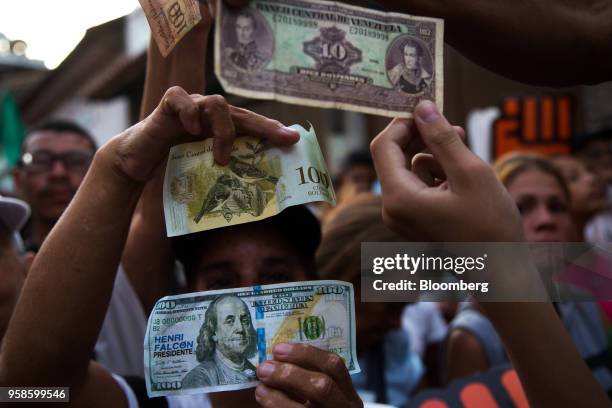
[
  {"x": 213, "y": 341},
  {"x": 328, "y": 54}
]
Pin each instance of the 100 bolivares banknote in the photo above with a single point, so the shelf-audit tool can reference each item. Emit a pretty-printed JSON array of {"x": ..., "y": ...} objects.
[
  {"x": 328, "y": 54},
  {"x": 213, "y": 341},
  {"x": 170, "y": 20},
  {"x": 259, "y": 182}
]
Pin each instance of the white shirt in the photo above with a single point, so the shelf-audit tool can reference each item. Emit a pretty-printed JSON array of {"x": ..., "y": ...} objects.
[{"x": 120, "y": 344}]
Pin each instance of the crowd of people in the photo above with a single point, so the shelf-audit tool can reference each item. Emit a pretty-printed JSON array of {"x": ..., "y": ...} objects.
[{"x": 84, "y": 254}]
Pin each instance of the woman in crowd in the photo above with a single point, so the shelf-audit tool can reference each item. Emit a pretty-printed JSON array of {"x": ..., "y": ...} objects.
[
  {"x": 390, "y": 370},
  {"x": 587, "y": 192},
  {"x": 543, "y": 200}
]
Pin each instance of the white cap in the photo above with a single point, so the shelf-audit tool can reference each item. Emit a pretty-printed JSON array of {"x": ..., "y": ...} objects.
[{"x": 13, "y": 213}]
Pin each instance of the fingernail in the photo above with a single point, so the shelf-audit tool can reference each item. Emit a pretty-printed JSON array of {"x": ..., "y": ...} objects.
[
  {"x": 282, "y": 349},
  {"x": 289, "y": 132},
  {"x": 265, "y": 369},
  {"x": 261, "y": 391},
  {"x": 427, "y": 111}
]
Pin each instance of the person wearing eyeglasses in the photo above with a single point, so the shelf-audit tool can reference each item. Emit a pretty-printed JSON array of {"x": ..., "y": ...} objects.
[{"x": 55, "y": 158}]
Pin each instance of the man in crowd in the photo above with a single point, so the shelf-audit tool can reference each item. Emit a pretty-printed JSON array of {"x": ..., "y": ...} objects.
[
  {"x": 55, "y": 158},
  {"x": 80, "y": 257},
  {"x": 13, "y": 263}
]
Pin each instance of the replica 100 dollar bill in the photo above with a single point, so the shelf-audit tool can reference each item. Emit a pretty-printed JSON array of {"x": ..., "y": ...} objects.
[
  {"x": 213, "y": 341},
  {"x": 170, "y": 20},
  {"x": 260, "y": 181},
  {"x": 328, "y": 54}
]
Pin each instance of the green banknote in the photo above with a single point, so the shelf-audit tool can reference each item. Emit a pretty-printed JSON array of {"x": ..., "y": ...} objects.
[
  {"x": 328, "y": 54},
  {"x": 213, "y": 341},
  {"x": 260, "y": 181}
]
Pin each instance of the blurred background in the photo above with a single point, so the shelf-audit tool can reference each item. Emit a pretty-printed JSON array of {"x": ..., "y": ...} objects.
[{"x": 85, "y": 62}]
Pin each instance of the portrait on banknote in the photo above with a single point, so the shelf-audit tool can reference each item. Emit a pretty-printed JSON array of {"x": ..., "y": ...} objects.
[
  {"x": 409, "y": 65},
  {"x": 248, "y": 42},
  {"x": 226, "y": 342}
]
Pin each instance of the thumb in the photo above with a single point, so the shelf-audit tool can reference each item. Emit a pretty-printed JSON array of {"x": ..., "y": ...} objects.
[{"x": 444, "y": 141}]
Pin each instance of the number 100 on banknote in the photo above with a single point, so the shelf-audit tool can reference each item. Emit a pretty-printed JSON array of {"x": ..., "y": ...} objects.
[{"x": 332, "y": 55}]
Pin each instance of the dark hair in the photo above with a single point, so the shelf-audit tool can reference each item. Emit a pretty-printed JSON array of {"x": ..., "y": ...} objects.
[
  {"x": 297, "y": 224},
  {"x": 414, "y": 44},
  {"x": 580, "y": 141},
  {"x": 205, "y": 349},
  {"x": 60, "y": 125},
  {"x": 346, "y": 227},
  {"x": 357, "y": 158},
  {"x": 247, "y": 14}
]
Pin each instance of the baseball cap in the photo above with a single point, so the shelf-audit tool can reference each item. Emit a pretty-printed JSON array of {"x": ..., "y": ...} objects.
[{"x": 13, "y": 213}]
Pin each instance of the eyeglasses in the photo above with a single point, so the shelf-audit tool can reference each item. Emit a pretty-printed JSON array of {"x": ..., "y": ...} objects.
[{"x": 43, "y": 160}]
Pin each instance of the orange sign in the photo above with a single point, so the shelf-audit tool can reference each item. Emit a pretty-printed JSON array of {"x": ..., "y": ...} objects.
[
  {"x": 498, "y": 387},
  {"x": 540, "y": 125}
]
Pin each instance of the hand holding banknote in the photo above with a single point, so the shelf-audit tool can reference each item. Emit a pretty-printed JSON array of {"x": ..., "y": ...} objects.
[
  {"x": 301, "y": 373},
  {"x": 181, "y": 118}
]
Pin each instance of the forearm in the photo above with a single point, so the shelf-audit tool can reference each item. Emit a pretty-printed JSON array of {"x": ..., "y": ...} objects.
[
  {"x": 544, "y": 355},
  {"x": 183, "y": 67},
  {"x": 150, "y": 275},
  {"x": 66, "y": 294},
  {"x": 541, "y": 42}
]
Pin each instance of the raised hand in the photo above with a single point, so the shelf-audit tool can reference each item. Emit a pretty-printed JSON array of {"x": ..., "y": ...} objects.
[
  {"x": 305, "y": 376},
  {"x": 180, "y": 118},
  {"x": 445, "y": 194}
]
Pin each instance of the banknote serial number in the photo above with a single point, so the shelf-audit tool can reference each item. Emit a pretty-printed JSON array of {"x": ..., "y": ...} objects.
[
  {"x": 279, "y": 18},
  {"x": 34, "y": 394},
  {"x": 365, "y": 32}
]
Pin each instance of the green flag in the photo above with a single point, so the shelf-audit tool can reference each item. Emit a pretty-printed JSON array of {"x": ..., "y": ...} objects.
[{"x": 12, "y": 133}]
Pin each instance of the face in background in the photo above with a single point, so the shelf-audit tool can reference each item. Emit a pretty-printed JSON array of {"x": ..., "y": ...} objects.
[
  {"x": 245, "y": 255},
  {"x": 543, "y": 206},
  {"x": 233, "y": 324},
  {"x": 49, "y": 189},
  {"x": 597, "y": 154},
  {"x": 13, "y": 269},
  {"x": 244, "y": 29},
  {"x": 411, "y": 57},
  {"x": 360, "y": 176},
  {"x": 587, "y": 190}
]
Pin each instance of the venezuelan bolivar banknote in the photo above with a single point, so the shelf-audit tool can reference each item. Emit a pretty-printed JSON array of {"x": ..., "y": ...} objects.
[
  {"x": 328, "y": 54},
  {"x": 213, "y": 341},
  {"x": 259, "y": 182},
  {"x": 170, "y": 20}
]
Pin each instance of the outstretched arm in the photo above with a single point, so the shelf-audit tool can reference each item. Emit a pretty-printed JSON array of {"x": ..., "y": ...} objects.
[
  {"x": 65, "y": 296},
  {"x": 473, "y": 206},
  {"x": 543, "y": 42},
  {"x": 147, "y": 257}
]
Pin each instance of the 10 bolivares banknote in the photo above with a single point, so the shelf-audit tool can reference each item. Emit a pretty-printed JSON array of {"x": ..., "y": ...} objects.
[
  {"x": 260, "y": 181},
  {"x": 328, "y": 54},
  {"x": 213, "y": 341}
]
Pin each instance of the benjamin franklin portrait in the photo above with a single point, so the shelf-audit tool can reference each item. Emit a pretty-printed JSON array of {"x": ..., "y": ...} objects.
[
  {"x": 249, "y": 46},
  {"x": 226, "y": 341},
  {"x": 410, "y": 75}
]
